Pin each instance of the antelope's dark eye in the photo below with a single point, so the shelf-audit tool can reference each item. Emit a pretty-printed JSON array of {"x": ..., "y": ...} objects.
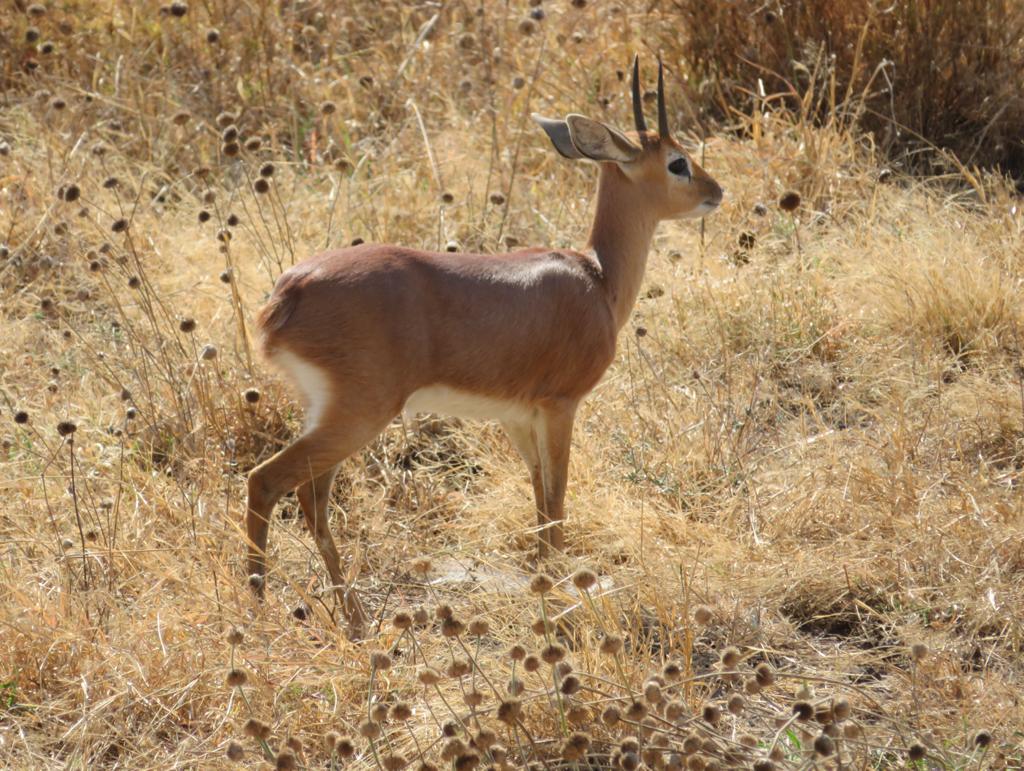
[{"x": 680, "y": 167}]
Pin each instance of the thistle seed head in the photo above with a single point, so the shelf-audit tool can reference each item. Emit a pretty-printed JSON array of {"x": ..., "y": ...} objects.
[
  {"x": 235, "y": 752},
  {"x": 790, "y": 202},
  {"x": 541, "y": 583}
]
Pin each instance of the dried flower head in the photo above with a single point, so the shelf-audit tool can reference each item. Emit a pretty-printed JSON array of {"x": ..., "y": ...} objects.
[
  {"x": 251, "y": 395},
  {"x": 765, "y": 674},
  {"x": 66, "y": 428},
  {"x": 236, "y": 678},
  {"x": 428, "y": 676},
  {"x": 611, "y": 716},
  {"x": 712, "y": 713},
  {"x": 459, "y": 668},
  {"x": 552, "y": 654},
  {"x": 919, "y": 651},
  {"x": 401, "y": 620},
  {"x": 636, "y": 711},
  {"x": 672, "y": 671},
  {"x": 629, "y": 761},
  {"x": 570, "y": 685},
  {"x": 702, "y": 615},
  {"x": 346, "y": 747},
  {"x": 380, "y": 660},
  {"x": 235, "y": 752},
  {"x": 452, "y": 748},
  {"x": 841, "y": 709},
  {"x": 541, "y": 583},
  {"x": 517, "y": 652},
  {"x": 824, "y": 746},
  {"x": 542, "y": 626},
  {"x": 982, "y": 739},
  {"x": 256, "y": 729},
  {"x": 235, "y": 636},
  {"x": 674, "y": 710},
  {"x": 452, "y": 627},
  {"x": 509, "y": 711},
  {"x": 527, "y": 26},
  {"x": 584, "y": 579},
  {"x": 187, "y": 325},
  {"x": 369, "y": 729},
  {"x": 730, "y": 657},
  {"x": 652, "y": 692},
  {"x": 479, "y": 626},
  {"x": 484, "y": 739},
  {"x": 736, "y": 704},
  {"x": 803, "y": 710},
  {"x": 790, "y": 202},
  {"x": 401, "y": 711},
  {"x": 916, "y": 752},
  {"x": 611, "y": 644},
  {"x": 576, "y": 746}
]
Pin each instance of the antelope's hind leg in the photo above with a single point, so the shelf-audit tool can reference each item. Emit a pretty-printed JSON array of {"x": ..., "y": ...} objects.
[
  {"x": 314, "y": 497},
  {"x": 310, "y": 461}
]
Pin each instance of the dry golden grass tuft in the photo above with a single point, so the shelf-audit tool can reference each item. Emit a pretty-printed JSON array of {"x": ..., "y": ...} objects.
[{"x": 795, "y": 497}]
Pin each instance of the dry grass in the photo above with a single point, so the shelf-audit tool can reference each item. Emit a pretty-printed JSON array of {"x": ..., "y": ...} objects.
[
  {"x": 810, "y": 446},
  {"x": 917, "y": 74}
]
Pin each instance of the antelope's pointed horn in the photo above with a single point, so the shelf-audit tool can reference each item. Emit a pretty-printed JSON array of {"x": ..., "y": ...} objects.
[
  {"x": 638, "y": 106},
  {"x": 663, "y": 130}
]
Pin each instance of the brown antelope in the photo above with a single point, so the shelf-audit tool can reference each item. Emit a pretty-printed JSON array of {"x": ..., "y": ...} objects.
[{"x": 369, "y": 331}]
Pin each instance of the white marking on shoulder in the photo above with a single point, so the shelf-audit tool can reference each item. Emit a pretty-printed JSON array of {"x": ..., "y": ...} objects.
[
  {"x": 311, "y": 381},
  {"x": 444, "y": 400}
]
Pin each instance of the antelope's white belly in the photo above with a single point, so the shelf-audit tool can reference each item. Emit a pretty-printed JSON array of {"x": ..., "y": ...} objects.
[{"x": 443, "y": 400}]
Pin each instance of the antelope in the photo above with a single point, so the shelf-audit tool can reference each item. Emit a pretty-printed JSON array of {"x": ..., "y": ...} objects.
[{"x": 368, "y": 332}]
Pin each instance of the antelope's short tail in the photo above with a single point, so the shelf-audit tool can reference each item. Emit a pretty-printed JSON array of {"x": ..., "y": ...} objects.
[{"x": 274, "y": 315}]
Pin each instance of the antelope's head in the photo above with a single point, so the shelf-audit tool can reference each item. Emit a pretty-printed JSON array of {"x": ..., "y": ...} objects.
[{"x": 669, "y": 183}]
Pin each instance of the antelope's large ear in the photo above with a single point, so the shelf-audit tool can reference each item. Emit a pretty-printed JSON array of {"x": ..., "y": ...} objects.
[
  {"x": 600, "y": 142},
  {"x": 558, "y": 133}
]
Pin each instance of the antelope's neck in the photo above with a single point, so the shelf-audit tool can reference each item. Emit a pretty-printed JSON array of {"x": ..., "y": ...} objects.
[{"x": 621, "y": 237}]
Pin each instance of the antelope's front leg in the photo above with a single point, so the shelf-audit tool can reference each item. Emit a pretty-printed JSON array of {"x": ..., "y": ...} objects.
[{"x": 554, "y": 437}]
